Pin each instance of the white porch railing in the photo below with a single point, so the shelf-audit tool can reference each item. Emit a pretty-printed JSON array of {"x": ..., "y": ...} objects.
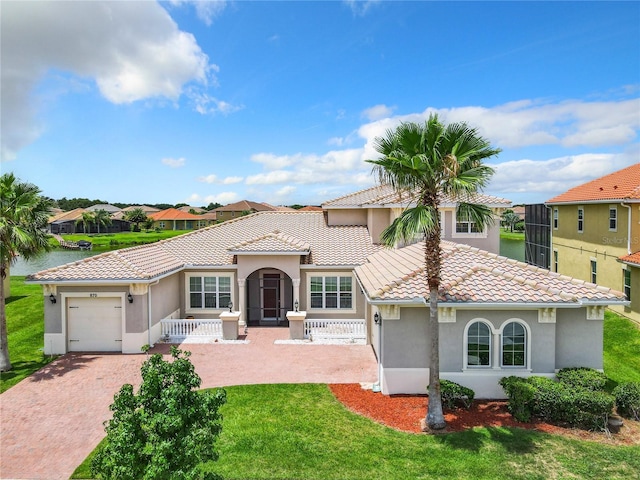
[
  {"x": 335, "y": 329},
  {"x": 186, "y": 328}
]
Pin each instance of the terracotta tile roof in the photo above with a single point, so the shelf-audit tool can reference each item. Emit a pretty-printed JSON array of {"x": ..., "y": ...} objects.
[
  {"x": 244, "y": 205},
  {"x": 385, "y": 195},
  {"x": 472, "y": 275},
  {"x": 274, "y": 242},
  {"x": 214, "y": 246},
  {"x": 621, "y": 185},
  {"x": 634, "y": 258},
  {"x": 310, "y": 208},
  {"x": 173, "y": 214}
]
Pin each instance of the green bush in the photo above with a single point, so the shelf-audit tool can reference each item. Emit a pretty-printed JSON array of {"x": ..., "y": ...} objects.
[
  {"x": 114, "y": 243},
  {"x": 520, "y": 394},
  {"x": 627, "y": 397},
  {"x": 454, "y": 395},
  {"x": 582, "y": 377}
]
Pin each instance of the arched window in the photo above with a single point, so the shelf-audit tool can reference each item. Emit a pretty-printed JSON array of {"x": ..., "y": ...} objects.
[
  {"x": 479, "y": 345},
  {"x": 514, "y": 345}
]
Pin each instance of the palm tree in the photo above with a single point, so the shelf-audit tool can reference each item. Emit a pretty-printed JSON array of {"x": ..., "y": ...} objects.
[
  {"x": 86, "y": 219},
  {"x": 101, "y": 217},
  {"x": 431, "y": 161},
  {"x": 136, "y": 216},
  {"x": 510, "y": 219},
  {"x": 23, "y": 219}
]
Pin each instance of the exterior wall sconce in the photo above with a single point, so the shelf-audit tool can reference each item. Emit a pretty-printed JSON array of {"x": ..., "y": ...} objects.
[
  {"x": 230, "y": 306},
  {"x": 296, "y": 305},
  {"x": 130, "y": 298},
  {"x": 52, "y": 298},
  {"x": 377, "y": 318}
]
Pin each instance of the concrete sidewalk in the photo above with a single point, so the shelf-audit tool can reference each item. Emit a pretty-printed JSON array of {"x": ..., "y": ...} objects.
[{"x": 52, "y": 420}]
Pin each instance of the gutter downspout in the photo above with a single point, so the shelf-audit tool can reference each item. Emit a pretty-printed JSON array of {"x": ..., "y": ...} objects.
[
  {"x": 378, "y": 386},
  {"x": 628, "y": 227},
  {"x": 149, "y": 311}
]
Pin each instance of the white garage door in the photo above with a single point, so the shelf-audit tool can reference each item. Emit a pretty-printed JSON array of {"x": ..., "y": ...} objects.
[{"x": 94, "y": 324}]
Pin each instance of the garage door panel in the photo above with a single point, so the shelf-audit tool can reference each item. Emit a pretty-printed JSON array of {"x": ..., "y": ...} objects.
[{"x": 94, "y": 324}]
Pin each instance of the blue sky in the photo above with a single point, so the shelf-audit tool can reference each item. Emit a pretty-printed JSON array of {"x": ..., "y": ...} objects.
[{"x": 280, "y": 102}]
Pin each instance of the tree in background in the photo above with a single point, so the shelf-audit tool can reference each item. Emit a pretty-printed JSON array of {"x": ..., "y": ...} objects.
[
  {"x": 101, "y": 217},
  {"x": 431, "y": 161},
  {"x": 213, "y": 206},
  {"x": 86, "y": 219},
  {"x": 136, "y": 216},
  {"x": 23, "y": 219},
  {"x": 167, "y": 429},
  {"x": 509, "y": 219}
]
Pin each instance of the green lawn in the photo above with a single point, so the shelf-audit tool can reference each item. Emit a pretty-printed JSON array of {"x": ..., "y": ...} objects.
[
  {"x": 621, "y": 349},
  {"x": 506, "y": 234},
  {"x": 25, "y": 327},
  {"x": 302, "y": 431},
  {"x": 109, "y": 241}
]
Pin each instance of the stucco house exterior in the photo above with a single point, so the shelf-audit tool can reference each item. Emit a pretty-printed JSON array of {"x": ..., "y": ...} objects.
[
  {"x": 174, "y": 219},
  {"x": 595, "y": 234},
  {"x": 498, "y": 317},
  {"x": 238, "y": 209}
]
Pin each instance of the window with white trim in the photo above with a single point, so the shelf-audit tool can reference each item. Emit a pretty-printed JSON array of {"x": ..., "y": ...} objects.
[
  {"x": 555, "y": 218},
  {"x": 464, "y": 224},
  {"x": 479, "y": 345},
  {"x": 161, "y": 225},
  {"x": 580, "y": 219},
  {"x": 209, "y": 292},
  {"x": 555, "y": 261},
  {"x": 626, "y": 280},
  {"x": 594, "y": 271},
  {"x": 331, "y": 292},
  {"x": 514, "y": 345},
  {"x": 613, "y": 219}
]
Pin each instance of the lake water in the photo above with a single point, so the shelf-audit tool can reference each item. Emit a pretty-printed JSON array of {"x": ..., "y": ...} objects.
[
  {"x": 49, "y": 260},
  {"x": 512, "y": 249}
]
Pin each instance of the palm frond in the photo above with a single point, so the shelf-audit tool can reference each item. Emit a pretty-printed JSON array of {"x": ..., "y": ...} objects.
[{"x": 414, "y": 223}]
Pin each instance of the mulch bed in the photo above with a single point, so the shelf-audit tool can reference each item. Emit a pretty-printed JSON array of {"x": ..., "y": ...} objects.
[{"x": 405, "y": 413}]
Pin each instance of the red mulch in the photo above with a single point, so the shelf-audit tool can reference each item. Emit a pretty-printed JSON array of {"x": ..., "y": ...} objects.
[{"x": 405, "y": 412}]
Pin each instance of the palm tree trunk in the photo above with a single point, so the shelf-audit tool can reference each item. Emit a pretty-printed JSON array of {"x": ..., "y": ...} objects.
[{"x": 5, "y": 363}]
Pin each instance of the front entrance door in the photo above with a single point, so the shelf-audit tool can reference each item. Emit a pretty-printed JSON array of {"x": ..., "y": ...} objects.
[{"x": 271, "y": 298}]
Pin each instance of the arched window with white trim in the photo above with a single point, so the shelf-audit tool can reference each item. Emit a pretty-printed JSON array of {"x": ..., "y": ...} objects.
[
  {"x": 514, "y": 345},
  {"x": 479, "y": 345}
]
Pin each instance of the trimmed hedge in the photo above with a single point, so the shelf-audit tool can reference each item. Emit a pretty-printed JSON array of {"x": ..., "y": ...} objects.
[
  {"x": 582, "y": 377},
  {"x": 557, "y": 402},
  {"x": 628, "y": 399},
  {"x": 454, "y": 395}
]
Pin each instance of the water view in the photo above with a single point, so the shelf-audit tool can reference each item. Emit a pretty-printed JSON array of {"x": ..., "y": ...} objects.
[{"x": 49, "y": 260}]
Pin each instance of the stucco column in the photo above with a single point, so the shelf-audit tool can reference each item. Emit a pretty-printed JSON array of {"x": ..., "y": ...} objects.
[
  {"x": 230, "y": 322},
  {"x": 495, "y": 361},
  {"x": 242, "y": 299},
  {"x": 296, "y": 290},
  {"x": 296, "y": 325}
]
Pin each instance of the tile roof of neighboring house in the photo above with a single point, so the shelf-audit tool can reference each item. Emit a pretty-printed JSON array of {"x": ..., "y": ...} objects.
[
  {"x": 633, "y": 258},
  {"x": 103, "y": 206},
  {"x": 621, "y": 185},
  {"x": 145, "y": 208},
  {"x": 310, "y": 208},
  {"x": 213, "y": 246},
  {"x": 188, "y": 209},
  {"x": 208, "y": 216},
  {"x": 385, "y": 195},
  {"x": 470, "y": 275},
  {"x": 244, "y": 205},
  {"x": 70, "y": 216},
  {"x": 173, "y": 214}
]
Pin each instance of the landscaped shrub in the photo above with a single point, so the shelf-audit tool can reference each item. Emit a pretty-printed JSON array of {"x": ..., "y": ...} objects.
[
  {"x": 454, "y": 395},
  {"x": 520, "y": 394},
  {"x": 583, "y": 377},
  {"x": 627, "y": 397}
]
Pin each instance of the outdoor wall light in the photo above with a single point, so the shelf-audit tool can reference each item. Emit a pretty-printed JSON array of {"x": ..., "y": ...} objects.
[
  {"x": 52, "y": 298},
  {"x": 296, "y": 305},
  {"x": 377, "y": 319},
  {"x": 130, "y": 298},
  {"x": 230, "y": 306}
]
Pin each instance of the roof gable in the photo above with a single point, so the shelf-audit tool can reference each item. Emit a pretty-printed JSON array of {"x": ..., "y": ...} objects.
[
  {"x": 274, "y": 242},
  {"x": 621, "y": 185}
]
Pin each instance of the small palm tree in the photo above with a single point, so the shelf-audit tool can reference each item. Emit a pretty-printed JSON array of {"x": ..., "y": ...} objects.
[
  {"x": 428, "y": 162},
  {"x": 86, "y": 220},
  {"x": 136, "y": 216},
  {"x": 23, "y": 218},
  {"x": 101, "y": 217},
  {"x": 510, "y": 219}
]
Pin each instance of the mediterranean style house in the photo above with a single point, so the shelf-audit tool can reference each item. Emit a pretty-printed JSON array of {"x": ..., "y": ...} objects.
[
  {"x": 296, "y": 268},
  {"x": 595, "y": 234}
]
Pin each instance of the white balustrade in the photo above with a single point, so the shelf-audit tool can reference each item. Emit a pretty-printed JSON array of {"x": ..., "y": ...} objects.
[
  {"x": 335, "y": 329},
  {"x": 181, "y": 328}
]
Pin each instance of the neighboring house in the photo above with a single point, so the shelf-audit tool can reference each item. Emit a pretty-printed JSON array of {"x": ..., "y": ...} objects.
[
  {"x": 103, "y": 206},
  {"x": 190, "y": 209},
  {"x": 310, "y": 208},
  {"x": 66, "y": 222},
  {"x": 174, "y": 219},
  {"x": 145, "y": 208},
  {"x": 520, "y": 211},
  {"x": 208, "y": 218},
  {"x": 498, "y": 316},
  {"x": 595, "y": 231},
  {"x": 238, "y": 209}
]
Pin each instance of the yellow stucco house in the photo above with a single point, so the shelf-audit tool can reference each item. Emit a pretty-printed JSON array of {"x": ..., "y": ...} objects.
[{"x": 595, "y": 231}]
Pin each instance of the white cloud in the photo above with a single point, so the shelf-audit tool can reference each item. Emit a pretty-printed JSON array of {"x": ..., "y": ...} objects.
[
  {"x": 232, "y": 180},
  {"x": 207, "y": 104},
  {"x": 174, "y": 162},
  {"x": 132, "y": 50},
  {"x": 377, "y": 112},
  {"x": 208, "y": 179},
  {"x": 214, "y": 179},
  {"x": 360, "y": 7},
  {"x": 223, "y": 197},
  {"x": 206, "y": 10}
]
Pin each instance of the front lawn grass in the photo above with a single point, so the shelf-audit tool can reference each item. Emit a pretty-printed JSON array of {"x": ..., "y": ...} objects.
[
  {"x": 302, "y": 431},
  {"x": 506, "y": 234},
  {"x": 25, "y": 327},
  {"x": 621, "y": 349}
]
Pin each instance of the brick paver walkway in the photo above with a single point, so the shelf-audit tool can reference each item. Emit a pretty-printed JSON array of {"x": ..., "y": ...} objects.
[{"x": 52, "y": 420}]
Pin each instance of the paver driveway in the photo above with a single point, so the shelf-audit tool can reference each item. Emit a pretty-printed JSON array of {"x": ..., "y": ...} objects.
[{"x": 52, "y": 420}]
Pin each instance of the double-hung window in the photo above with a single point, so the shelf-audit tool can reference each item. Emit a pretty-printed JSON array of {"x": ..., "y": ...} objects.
[
  {"x": 580, "y": 219},
  {"x": 514, "y": 344},
  {"x": 464, "y": 224},
  {"x": 479, "y": 345},
  {"x": 209, "y": 292},
  {"x": 555, "y": 218},
  {"x": 626, "y": 280},
  {"x": 331, "y": 292},
  {"x": 613, "y": 219},
  {"x": 594, "y": 271}
]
